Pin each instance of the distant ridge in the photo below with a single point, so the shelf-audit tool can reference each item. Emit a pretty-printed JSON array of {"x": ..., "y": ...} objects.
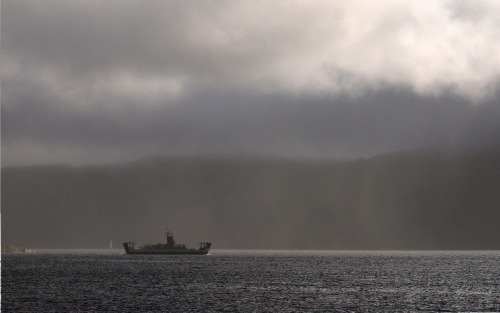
[{"x": 418, "y": 199}]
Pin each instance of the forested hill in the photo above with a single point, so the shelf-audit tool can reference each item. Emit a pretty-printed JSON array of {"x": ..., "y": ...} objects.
[{"x": 405, "y": 200}]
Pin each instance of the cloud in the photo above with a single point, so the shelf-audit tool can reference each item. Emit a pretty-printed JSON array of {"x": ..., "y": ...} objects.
[
  {"x": 44, "y": 130},
  {"x": 97, "y": 81},
  {"x": 285, "y": 46}
]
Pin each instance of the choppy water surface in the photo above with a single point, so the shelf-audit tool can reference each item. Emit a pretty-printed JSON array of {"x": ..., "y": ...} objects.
[{"x": 252, "y": 281}]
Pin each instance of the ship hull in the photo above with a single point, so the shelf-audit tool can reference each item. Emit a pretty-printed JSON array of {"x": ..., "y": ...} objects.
[
  {"x": 165, "y": 251},
  {"x": 168, "y": 252}
]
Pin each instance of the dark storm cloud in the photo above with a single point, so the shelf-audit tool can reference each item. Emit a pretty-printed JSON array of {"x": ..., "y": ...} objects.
[
  {"x": 101, "y": 81},
  {"x": 239, "y": 122}
]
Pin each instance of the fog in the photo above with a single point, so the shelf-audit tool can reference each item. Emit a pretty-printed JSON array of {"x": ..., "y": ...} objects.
[
  {"x": 422, "y": 199},
  {"x": 270, "y": 121}
]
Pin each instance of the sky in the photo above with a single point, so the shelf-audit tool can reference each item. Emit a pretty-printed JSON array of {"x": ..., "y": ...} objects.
[{"x": 87, "y": 82}]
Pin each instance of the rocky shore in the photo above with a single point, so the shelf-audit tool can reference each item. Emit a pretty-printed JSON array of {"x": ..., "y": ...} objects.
[{"x": 13, "y": 249}]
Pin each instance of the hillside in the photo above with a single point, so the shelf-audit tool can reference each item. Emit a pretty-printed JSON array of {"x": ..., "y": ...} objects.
[{"x": 405, "y": 200}]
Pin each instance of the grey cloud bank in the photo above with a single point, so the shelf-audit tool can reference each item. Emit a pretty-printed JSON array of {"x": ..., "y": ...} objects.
[
  {"x": 94, "y": 81},
  {"x": 239, "y": 123}
]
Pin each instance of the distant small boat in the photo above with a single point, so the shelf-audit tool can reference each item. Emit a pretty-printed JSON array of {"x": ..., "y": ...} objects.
[{"x": 169, "y": 248}]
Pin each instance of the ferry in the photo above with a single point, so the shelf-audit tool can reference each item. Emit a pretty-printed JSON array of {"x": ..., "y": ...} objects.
[{"x": 170, "y": 247}]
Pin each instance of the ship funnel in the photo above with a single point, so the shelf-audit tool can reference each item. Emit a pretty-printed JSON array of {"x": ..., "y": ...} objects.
[{"x": 170, "y": 239}]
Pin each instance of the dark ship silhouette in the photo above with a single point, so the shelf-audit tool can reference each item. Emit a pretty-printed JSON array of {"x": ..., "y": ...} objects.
[{"x": 169, "y": 248}]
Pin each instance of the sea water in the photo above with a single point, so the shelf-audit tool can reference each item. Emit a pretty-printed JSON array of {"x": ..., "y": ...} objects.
[{"x": 251, "y": 281}]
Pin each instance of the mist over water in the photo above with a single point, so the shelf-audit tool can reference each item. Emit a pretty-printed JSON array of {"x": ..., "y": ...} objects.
[
  {"x": 249, "y": 281},
  {"x": 407, "y": 200}
]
